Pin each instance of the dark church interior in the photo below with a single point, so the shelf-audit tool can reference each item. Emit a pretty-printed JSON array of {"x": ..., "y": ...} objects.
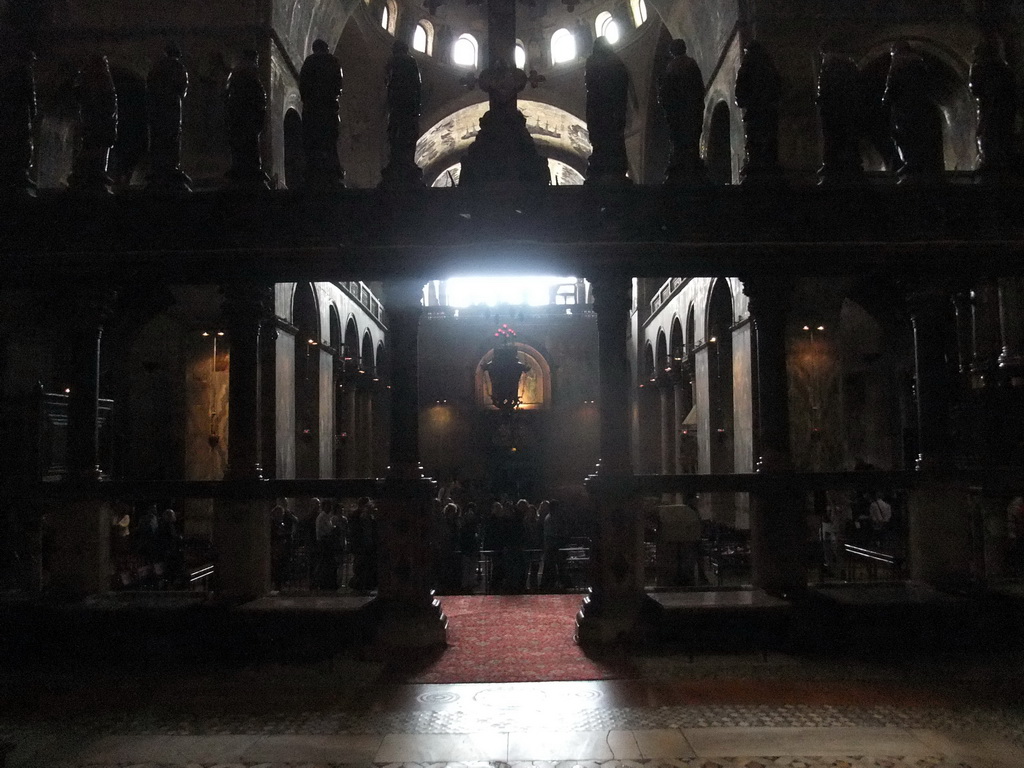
[{"x": 622, "y": 382}]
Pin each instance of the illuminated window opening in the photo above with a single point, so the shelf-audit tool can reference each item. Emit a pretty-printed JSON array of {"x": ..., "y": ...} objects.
[
  {"x": 639, "y": 8},
  {"x": 605, "y": 26},
  {"x": 464, "y": 52},
  {"x": 520, "y": 55},
  {"x": 563, "y": 46}
]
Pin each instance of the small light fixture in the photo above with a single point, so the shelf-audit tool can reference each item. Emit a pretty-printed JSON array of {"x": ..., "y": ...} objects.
[
  {"x": 206, "y": 333},
  {"x": 712, "y": 340},
  {"x": 67, "y": 390}
]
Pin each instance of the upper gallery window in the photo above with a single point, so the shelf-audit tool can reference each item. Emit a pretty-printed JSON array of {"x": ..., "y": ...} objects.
[
  {"x": 639, "y": 8},
  {"x": 464, "y": 52},
  {"x": 389, "y": 16},
  {"x": 605, "y": 26},
  {"x": 563, "y": 46},
  {"x": 520, "y": 55},
  {"x": 423, "y": 37}
]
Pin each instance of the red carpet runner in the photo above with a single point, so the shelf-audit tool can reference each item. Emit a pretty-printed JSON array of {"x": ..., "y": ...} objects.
[{"x": 511, "y": 638}]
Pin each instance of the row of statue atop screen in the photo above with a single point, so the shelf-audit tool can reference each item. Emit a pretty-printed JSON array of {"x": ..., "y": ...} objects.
[{"x": 842, "y": 104}]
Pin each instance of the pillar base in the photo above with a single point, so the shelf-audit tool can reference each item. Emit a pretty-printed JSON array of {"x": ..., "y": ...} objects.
[
  {"x": 626, "y": 618},
  {"x": 241, "y": 538},
  {"x": 940, "y": 549},
  {"x": 80, "y": 560},
  {"x": 408, "y": 624}
]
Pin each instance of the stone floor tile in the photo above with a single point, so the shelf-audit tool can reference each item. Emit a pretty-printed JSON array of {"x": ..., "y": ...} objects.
[
  {"x": 432, "y": 747},
  {"x": 732, "y": 741},
  {"x": 978, "y": 745},
  {"x": 345, "y": 748},
  {"x": 662, "y": 743},
  {"x": 561, "y": 745},
  {"x": 623, "y": 745}
]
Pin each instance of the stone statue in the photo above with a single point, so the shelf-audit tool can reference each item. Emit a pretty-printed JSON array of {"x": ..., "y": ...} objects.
[
  {"x": 993, "y": 87},
  {"x": 841, "y": 110},
  {"x": 17, "y": 123},
  {"x": 97, "y": 126},
  {"x": 758, "y": 93},
  {"x": 681, "y": 94},
  {"x": 320, "y": 84},
  {"x": 608, "y": 97},
  {"x": 403, "y": 87},
  {"x": 166, "y": 87},
  {"x": 246, "y": 116},
  {"x": 503, "y": 151},
  {"x": 914, "y": 121}
]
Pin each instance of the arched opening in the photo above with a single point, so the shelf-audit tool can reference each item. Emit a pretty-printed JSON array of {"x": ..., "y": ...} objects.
[
  {"x": 607, "y": 27},
  {"x": 951, "y": 105},
  {"x": 294, "y": 154},
  {"x": 423, "y": 37},
  {"x": 720, "y": 396},
  {"x": 465, "y": 51},
  {"x": 718, "y": 156},
  {"x": 337, "y": 380},
  {"x": 688, "y": 448},
  {"x": 347, "y": 406},
  {"x": 638, "y": 9},
  {"x": 563, "y": 46},
  {"x": 367, "y": 364},
  {"x": 307, "y": 382},
  {"x": 389, "y": 16},
  {"x": 520, "y": 54}
]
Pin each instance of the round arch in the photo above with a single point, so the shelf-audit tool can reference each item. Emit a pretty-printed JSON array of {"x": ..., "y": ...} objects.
[
  {"x": 534, "y": 387},
  {"x": 558, "y": 134}
]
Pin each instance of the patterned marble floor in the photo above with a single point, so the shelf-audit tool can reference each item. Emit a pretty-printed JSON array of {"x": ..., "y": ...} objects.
[{"x": 728, "y": 712}]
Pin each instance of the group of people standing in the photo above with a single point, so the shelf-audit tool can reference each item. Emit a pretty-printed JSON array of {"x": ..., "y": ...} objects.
[
  {"x": 524, "y": 545},
  {"x": 149, "y": 551}
]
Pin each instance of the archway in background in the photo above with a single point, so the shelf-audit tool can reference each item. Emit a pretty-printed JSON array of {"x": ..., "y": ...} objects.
[
  {"x": 720, "y": 396},
  {"x": 718, "y": 157},
  {"x": 307, "y": 382}
]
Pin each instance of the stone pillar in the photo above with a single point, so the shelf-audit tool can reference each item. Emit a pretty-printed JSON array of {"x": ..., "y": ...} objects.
[
  {"x": 241, "y": 530},
  {"x": 986, "y": 330},
  {"x": 367, "y": 421},
  {"x": 1011, "y": 321},
  {"x": 405, "y": 611},
  {"x": 939, "y": 531},
  {"x": 617, "y": 606},
  {"x": 351, "y": 434},
  {"x": 681, "y": 406},
  {"x": 776, "y": 522},
  {"x": 668, "y": 454},
  {"x": 80, "y": 558}
]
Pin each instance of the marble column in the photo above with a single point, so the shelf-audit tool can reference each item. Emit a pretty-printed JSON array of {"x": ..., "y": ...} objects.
[
  {"x": 665, "y": 390},
  {"x": 80, "y": 557},
  {"x": 776, "y": 520},
  {"x": 405, "y": 611},
  {"x": 366, "y": 420},
  {"x": 617, "y": 607},
  {"x": 241, "y": 529},
  {"x": 986, "y": 330},
  {"x": 939, "y": 529},
  {"x": 1011, "y": 321}
]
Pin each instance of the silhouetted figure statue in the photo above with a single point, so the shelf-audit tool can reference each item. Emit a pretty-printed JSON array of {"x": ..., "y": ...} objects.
[
  {"x": 166, "y": 87},
  {"x": 914, "y": 121},
  {"x": 320, "y": 84},
  {"x": 503, "y": 152},
  {"x": 403, "y": 85},
  {"x": 608, "y": 97},
  {"x": 681, "y": 93},
  {"x": 246, "y": 116},
  {"x": 841, "y": 110},
  {"x": 17, "y": 123},
  {"x": 993, "y": 87},
  {"x": 97, "y": 126},
  {"x": 758, "y": 93}
]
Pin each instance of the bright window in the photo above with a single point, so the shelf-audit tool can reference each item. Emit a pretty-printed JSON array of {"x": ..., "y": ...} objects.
[
  {"x": 639, "y": 8},
  {"x": 520, "y": 56},
  {"x": 563, "y": 46},
  {"x": 605, "y": 26},
  {"x": 421, "y": 38},
  {"x": 464, "y": 52},
  {"x": 389, "y": 16}
]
